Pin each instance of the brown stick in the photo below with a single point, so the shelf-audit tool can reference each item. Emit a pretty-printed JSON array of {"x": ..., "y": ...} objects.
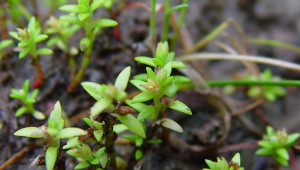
[
  {"x": 17, "y": 156},
  {"x": 39, "y": 74}
]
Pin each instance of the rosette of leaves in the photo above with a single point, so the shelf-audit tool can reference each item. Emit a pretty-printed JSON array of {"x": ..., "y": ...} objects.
[
  {"x": 107, "y": 95},
  {"x": 222, "y": 164},
  {"x": 28, "y": 99},
  {"x": 51, "y": 133},
  {"x": 159, "y": 86},
  {"x": 3, "y": 45},
  {"x": 276, "y": 144},
  {"x": 269, "y": 92},
  {"x": 84, "y": 17},
  {"x": 61, "y": 32},
  {"x": 28, "y": 39}
]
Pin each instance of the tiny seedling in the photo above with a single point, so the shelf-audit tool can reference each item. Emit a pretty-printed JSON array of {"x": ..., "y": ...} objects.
[
  {"x": 269, "y": 92},
  {"x": 222, "y": 164},
  {"x": 51, "y": 133},
  {"x": 84, "y": 17},
  {"x": 28, "y": 39},
  {"x": 276, "y": 144},
  {"x": 28, "y": 99},
  {"x": 3, "y": 45}
]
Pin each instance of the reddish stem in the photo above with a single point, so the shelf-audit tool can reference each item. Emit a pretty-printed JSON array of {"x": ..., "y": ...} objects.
[
  {"x": 3, "y": 27},
  {"x": 39, "y": 74}
]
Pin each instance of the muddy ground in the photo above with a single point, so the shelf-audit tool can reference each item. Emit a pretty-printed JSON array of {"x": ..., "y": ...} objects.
[{"x": 206, "y": 128}]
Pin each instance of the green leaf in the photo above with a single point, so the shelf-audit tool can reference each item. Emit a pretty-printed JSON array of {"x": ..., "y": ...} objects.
[
  {"x": 38, "y": 115},
  {"x": 139, "y": 84},
  {"x": 40, "y": 37},
  {"x": 282, "y": 152},
  {"x": 292, "y": 139},
  {"x": 142, "y": 97},
  {"x": 5, "y": 43},
  {"x": 21, "y": 111},
  {"x": 179, "y": 106},
  {"x": 103, "y": 160},
  {"x": 82, "y": 165},
  {"x": 88, "y": 121},
  {"x": 265, "y": 144},
  {"x": 44, "y": 51},
  {"x": 55, "y": 115},
  {"x": 70, "y": 132},
  {"x": 71, "y": 143},
  {"x": 118, "y": 128},
  {"x": 100, "y": 152},
  {"x": 84, "y": 43},
  {"x": 94, "y": 89},
  {"x": 98, "y": 135},
  {"x": 171, "y": 124},
  {"x": 150, "y": 73},
  {"x": 210, "y": 164},
  {"x": 105, "y": 23},
  {"x": 181, "y": 79},
  {"x": 147, "y": 112},
  {"x": 24, "y": 52},
  {"x": 95, "y": 161},
  {"x": 50, "y": 157},
  {"x": 99, "y": 106},
  {"x": 133, "y": 124},
  {"x": 236, "y": 158},
  {"x": 69, "y": 8},
  {"x": 145, "y": 60},
  {"x": 96, "y": 3},
  {"x": 70, "y": 19},
  {"x": 32, "y": 24},
  {"x": 122, "y": 79},
  {"x": 83, "y": 16},
  {"x": 53, "y": 41},
  {"x": 282, "y": 161},
  {"x": 137, "y": 106},
  {"x": 142, "y": 76},
  {"x": 138, "y": 154},
  {"x": 264, "y": 152},
  {"x": 15, "y": 35},
  {"x": 177, "y": 64},
  {"x": 30, "y": 132}
]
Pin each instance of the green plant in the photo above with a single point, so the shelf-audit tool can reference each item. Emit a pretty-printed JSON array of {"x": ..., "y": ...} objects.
[
  {"x": 269, "y": 92},
  {"x": 276, "y": 144},
  {"x": 222, "y": 164},
  {"x": 28, "y": 99},
  {"x": 51, "y": 133},
  {"x": 28, "y": 39},
  {"x": 3, "y": 45},
  {"x": 84, "y": 18}
]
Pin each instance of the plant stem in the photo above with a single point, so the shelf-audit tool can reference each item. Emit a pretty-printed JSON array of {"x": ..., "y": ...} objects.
[
  {"x": 152, "y": 20},
  {"x": 236, "y": 57},
  {"x": 180, "y": 24},
  {"x": 3, "y": 25},
  {"x": 166, "y": 22},
  {"x": 39, "y": 73}
]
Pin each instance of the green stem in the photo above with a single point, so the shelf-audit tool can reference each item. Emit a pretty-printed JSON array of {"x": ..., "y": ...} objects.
[
  {"x": 245, "y": 83},
  {"x": 166, "y": 22},
  {"x": 152, "y": 19}
]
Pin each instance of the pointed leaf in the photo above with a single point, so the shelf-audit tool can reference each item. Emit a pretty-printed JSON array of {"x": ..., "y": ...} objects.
[
  {"x": 282, "y": 152},
  {"x": 82, "y": 165},
  {"x": 105, "y": 23},
  {"x": 44, "y": 51},
  {"x": 171, "y": 124},
  {"x": 150, "y": 73},
  {"x": 100, "y": 106},
  {"x": 71, "y": 143},
  {"x": 70, "y": 19},
  {"x": 236, "y": 158},
  {"x": 179, "y": 106},
  {"x": 83, "y": 16},
  {"x": 21, "y": 111},
  {"x": 142, "y": 97},
  {"x": 139, "y": 84},
  {"x": 38, "y": 115},
  {"x": 50, "y": 157},
  {"x": 137, "y": 106},
  {"x": 40, "y": 37},
  {"x": 103, "y": 160},
  {"x": 177, "y": 64},
  {"x": 98, "y": 135},
  {"x": 28, "y": 132},
  {"x": 99, "y": 153},
  {"x": 96, "y": 3},
  {"x": 24, "y": 52},
  {"x": 69, "y": 8},
  {"x": 15, "y": 35},
  {"x": 147, "y": 112},
  {"x": 122, "y": 79},
  {"x": 118, "y": 128},
  {"x": 145, "y": 60},
  {"x": 5, "y": 43},
  {"x": 94, "y": 89},
  {"x": 133, "y": 124},
  {"x": 70, "y": 132},
  {"x": 264, "y": 152}
]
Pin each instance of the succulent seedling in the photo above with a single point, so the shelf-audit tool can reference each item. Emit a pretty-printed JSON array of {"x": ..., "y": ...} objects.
[
  {"x": 28, "y": 99},
  {"x": 51, "y": 133},
  {"x": 84, "y": 17},
  {"x": 276, "y": 144},
  {"x": 222, "y": 164},
  {"x": 269, "y": 92},
  {"x": 28, "y": 39}
]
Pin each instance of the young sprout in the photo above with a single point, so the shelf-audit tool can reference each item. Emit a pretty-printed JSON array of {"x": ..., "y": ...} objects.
[
  {"x": 84, "y": 18},
  {"x": 28, "y": 39},
  {"x": 107, "y": 95},
  {"x": 222, "y": 164},
  {"x": 269, "y": 92},
  {"x": 51, "y": 133},
  {"x": 28, "y": 99},
  {"x": 276, "y": 144},
  {"x": 3, "y": 45}
]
